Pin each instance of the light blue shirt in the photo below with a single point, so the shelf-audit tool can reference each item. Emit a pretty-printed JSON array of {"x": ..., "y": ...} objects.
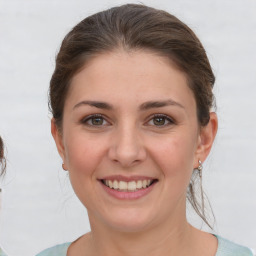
[
  {"x": 2, "y": 253},
  {"x": 58, "y": 250},
  {"x": 225, "y": 248}
]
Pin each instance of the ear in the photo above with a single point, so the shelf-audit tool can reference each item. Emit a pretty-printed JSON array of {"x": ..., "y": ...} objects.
[
  {"x": 206, "y": 139},
  {"x": 58, "y": 140}
]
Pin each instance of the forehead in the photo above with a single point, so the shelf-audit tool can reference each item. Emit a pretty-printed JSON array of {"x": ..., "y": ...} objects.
[{"x": 121, "y": 75}]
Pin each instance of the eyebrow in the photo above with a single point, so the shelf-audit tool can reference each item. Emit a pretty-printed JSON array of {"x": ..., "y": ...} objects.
[
  {"x": 143, "y": 107},
  {"x": 159, "y": 104},
  {"x": 96, "y": 104}
]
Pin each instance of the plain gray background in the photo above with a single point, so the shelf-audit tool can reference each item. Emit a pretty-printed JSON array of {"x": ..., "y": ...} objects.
[{"x": 39, "y": 207}]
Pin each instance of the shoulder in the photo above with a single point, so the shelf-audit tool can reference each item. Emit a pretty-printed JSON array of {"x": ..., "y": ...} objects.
[
  {"x": 74, "y": 248},
  {"x": 58, "y": 250},
  {"x": 2, "y": 253},
  {"x": 228, "y": 248}
]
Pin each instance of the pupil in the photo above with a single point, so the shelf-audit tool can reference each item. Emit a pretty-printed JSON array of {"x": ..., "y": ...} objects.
[
  {"x": 97, "y": 121},
  {"x": 159, "y": 120}
]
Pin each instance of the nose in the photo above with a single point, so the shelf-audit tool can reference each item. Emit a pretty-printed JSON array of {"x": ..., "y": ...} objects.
[{"x": 127, "y": 147}]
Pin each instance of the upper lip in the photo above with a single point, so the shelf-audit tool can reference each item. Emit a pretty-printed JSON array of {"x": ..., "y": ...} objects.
[{"x": 127, "y": 178}]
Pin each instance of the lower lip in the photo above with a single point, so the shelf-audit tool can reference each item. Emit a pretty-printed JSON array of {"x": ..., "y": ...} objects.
[{"x": 128, "y": 195}]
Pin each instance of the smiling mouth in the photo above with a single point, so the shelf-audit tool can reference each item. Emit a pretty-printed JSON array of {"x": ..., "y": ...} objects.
[{"x": 131, "y": 186}]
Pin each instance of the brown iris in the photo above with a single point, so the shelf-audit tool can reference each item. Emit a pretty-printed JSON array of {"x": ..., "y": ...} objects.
[
  {"x": 97, "y": 120},
  {"x": 159, "y": 121}
]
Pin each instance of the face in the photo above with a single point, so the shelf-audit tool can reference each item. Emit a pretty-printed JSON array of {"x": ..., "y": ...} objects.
[{"x": 130, "y": 140}]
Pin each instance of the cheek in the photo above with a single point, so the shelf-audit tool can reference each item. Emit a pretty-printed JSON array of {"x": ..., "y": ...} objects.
[
  {"x": 175, "y": 157},
  {"x": 83, "y": 154}
]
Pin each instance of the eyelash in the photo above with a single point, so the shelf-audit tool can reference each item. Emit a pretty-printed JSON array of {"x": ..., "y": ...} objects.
[
  {"x": 165, "y": 117},
  {"x": 91, "y": 117}
]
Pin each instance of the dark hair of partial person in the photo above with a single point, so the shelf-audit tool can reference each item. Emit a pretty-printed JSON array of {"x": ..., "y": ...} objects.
[
  {"x": 136, "y": 27},
  {"x": 2, "y": 159}
]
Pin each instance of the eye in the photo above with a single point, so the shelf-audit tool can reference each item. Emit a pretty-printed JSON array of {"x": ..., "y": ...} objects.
[
  {"x": 160, "y": 120},
  {"x": 95, "y": 120}
]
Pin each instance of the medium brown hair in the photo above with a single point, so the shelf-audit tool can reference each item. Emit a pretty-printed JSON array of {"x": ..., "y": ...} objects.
[
  {"x": 2, "y": 159},
  {"x": 135, "y": 27}
]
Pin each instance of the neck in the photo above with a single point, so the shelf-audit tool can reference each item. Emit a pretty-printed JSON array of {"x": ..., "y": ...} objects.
[{"x": 167, "y": 239}]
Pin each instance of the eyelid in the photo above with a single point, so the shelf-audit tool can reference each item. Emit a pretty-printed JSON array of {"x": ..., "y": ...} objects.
[
  {"x": 168, "y": 118},
  {"x": 87, "y": 118}
]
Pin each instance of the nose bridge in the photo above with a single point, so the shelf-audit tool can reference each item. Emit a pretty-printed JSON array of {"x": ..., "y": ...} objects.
[{"x": 127, "y": 146}]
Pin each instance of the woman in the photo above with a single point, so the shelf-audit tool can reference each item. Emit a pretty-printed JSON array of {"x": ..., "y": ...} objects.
[
  {"x": 2, "y": 172},
  {"x": 131, "y": 98}
]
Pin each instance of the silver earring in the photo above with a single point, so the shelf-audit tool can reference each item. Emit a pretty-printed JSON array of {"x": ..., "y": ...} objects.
[{"x": 200, "y": 168}]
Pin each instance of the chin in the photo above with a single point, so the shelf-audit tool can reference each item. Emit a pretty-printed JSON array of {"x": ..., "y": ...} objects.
[
  {"x": 130, "y": 221},
  {"x": 130, "y": 227}
]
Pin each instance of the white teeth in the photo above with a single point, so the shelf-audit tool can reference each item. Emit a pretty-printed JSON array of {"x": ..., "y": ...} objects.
[
  {"x": 139, "y": 184},
  {"x": 127, "y": 186},
  {"x": 115, "y": 184},
  {"x": 132, "y": 185},
  {"x": 123, "y": 185},
  {"x": 144, "y": 183}
]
